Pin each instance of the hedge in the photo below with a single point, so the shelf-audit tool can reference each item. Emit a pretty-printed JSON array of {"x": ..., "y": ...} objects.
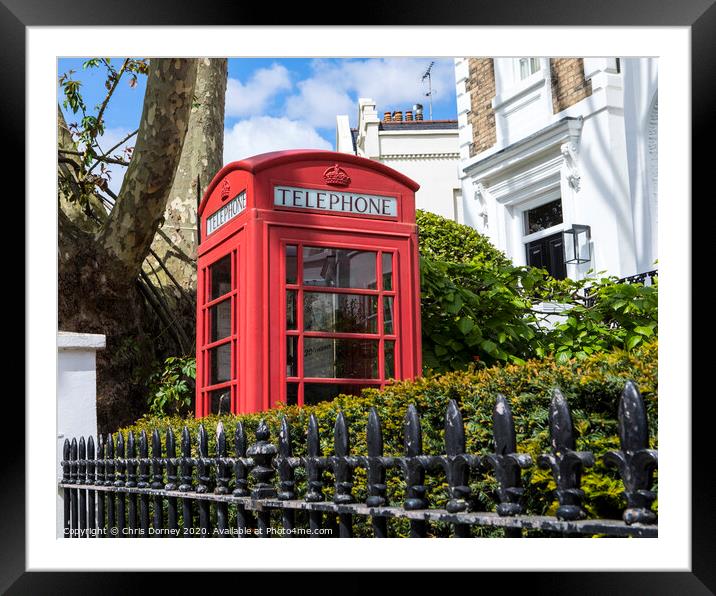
[{"x": 592, "y": 387}]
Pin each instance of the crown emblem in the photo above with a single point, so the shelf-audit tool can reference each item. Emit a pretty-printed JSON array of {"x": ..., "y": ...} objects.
[
  {"x": 225, "y": 190},
  {"x": 337, "y": 176}
]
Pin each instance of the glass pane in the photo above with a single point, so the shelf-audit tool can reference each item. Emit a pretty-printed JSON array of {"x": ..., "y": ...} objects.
[
  {"x": 388, "y": 315},
  {"x": 291, "y": 264},
  {"x": 291, "y": 394},
  {"x": 543, "y": 217},
  {"x": 291, "y": 321},
  {"x": 314, "y": 393},
  {"x": 220, "y": 320},
  {"x": 291, "y": 356},
  {"x": 220, "y": 277},
  {"x": 220, "y": 364},
  {"x": 339, "y": 268},
  {"x": 387, "y": 271},
  {"x": 340, "y": 358},
  {"x": 220, "y": 401},
  {"x": 389, "y": 359},
  {"x": 341, "y": 313}
]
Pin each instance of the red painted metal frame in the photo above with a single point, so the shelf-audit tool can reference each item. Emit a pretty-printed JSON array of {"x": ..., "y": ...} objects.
[{"x": 257, "y": 238}]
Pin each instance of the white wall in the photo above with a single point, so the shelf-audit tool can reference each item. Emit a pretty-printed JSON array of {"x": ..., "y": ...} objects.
[
  {"x": 76, "y": 394},
  {"x": 430, "y": 157}
]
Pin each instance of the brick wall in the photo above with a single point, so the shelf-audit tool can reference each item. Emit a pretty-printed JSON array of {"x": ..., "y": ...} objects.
[
  {"x": 568, "y": 83},
  {"x": 481, "y": 87}
]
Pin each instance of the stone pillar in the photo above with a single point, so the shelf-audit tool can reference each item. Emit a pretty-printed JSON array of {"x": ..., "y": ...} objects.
[{"x": 76, "y": 394}]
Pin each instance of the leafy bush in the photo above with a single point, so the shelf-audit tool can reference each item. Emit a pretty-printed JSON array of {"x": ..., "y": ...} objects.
[
  {"x": 442, "y": 239},
  {"x": 477, "y": 306},
  {"x": 622, "y": 316},
  {"x": 592, "y": 387},
  {"x": 172, "y": 388}
]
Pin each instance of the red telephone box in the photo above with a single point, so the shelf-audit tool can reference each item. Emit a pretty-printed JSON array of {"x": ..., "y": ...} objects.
[{"x": 308, "y": 281}]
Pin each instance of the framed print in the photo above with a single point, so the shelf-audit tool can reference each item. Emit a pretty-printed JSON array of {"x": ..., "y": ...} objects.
[{"x": 359, "y": 331}]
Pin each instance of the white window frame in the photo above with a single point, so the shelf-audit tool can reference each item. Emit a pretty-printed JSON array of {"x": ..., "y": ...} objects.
[{"x": 531, "y": 61}]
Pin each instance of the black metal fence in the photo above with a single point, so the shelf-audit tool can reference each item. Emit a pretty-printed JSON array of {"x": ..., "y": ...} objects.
[
  {"x": 115, "y": 492},
  {"x": 645, "y": 279}
]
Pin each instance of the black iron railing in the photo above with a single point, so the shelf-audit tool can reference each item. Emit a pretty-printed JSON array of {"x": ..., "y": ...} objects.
[
  {"x": 646, "y": 279},
  {"x": 117, "y": 492}
]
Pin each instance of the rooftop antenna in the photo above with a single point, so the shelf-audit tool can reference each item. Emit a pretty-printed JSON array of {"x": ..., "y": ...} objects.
[{"x": 429, "y": 94}]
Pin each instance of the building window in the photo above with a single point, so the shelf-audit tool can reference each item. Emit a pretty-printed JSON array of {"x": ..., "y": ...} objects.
[
  {"x": 543, "y": 217},
  {"x": 527, "y": 67},
  {"x": 544, "y": 244}
]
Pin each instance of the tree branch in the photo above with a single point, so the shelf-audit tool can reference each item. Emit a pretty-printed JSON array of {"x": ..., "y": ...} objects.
[{"x": 124, "y": 140}]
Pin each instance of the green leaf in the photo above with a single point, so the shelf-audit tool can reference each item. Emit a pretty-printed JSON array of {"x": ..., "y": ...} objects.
[{"x": 465, "y": 325}]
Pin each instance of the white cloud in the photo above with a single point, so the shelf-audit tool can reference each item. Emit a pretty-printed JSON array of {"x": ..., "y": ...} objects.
[
  {"x": 250, "y": 98},
  {"x": 391, "y": 82},
  {"x": 264, "y": 133},
  {"x": 318, "y": 102}
]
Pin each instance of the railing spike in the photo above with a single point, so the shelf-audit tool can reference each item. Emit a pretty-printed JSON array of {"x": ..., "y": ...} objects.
[
  {"x": 313, "y": 443},
  {"x": 454, "y": 430},
  {"x": 633, "y": 425},
  {"x": 374, "y": 432},
  {"x": 560, "y": 423},
  {"x": 284, "y": 438},
  {"x": 503, "y": 427},
  {"x": 412, "y": 432},
  {"x": 239, "y": 440},
  {"x": 341, "y": 441}
]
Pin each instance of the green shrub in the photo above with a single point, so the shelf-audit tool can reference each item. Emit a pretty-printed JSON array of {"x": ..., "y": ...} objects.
[
  {"x": 442, "y": 239},
  {"x": 592, "y": 387},
  {"x": 476, "y": 305}
]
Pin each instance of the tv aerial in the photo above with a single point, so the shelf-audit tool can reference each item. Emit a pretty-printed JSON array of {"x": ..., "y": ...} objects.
[{"x": 427, "y": 75}]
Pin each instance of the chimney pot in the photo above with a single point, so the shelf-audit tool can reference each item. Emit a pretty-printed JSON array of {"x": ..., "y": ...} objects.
[
  {"x": 409, "y": 116},
  {"x": 398, "y": 116},
  {"x": 386, "y": 116}
]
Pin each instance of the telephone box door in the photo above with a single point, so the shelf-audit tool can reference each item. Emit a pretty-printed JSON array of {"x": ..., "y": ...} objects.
[{"x": 340, "y": 324}]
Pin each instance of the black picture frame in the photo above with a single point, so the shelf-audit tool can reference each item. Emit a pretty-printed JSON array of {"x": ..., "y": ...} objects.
[{"x": 700, "y": 15}]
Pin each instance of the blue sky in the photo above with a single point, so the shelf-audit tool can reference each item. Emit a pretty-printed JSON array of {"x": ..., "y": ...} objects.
[{"x": 285, "y": 103}]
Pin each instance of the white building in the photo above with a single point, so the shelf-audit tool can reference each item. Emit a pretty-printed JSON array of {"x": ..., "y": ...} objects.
[
  {"x": 547, "y": 143},
  {"x": 424, "y": 150}
]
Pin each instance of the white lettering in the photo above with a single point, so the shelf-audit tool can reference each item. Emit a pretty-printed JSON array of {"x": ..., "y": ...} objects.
[
  {"x": 226, "y": 213},
  {"x": 308, "y": 198}
]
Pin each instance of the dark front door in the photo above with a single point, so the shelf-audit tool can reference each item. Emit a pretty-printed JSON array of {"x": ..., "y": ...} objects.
[{"x": 548, "y": 253}]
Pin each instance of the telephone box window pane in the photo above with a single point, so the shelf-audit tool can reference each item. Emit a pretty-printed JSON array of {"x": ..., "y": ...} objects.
[
  {"x": 339, "y": 313},
  {"x": 314, "y": 393},
  {"x": 291, "y": 264},
  {"x": 388, "y": 315},
  {"x": 292, "y": 356},
  {"x": 291, "y": 394},
  {"x": 220, "y": 320},
  {"x": 543, "y": 217},
  {"x": 220, "y": 401},
  {"x": 340, "y": 358},
  {"x": 220, "y": 364},
  {"x": 389, "y": 359},
  {"x": 387, "y": 271},
  {"x": 290, "y": 309},
  {"x": 221, "y": 277},
  {"x": 339, "y": 268}
]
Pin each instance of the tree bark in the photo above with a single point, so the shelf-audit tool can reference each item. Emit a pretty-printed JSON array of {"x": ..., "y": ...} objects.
[
  {"x": 202, "y": 156},
  {"x": 133, "y": 222}
]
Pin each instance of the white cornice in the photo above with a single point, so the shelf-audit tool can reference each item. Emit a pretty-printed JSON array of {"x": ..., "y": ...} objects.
[
  {"x": 413, "y": 156},
  {"x": 513, "y": 157}
]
